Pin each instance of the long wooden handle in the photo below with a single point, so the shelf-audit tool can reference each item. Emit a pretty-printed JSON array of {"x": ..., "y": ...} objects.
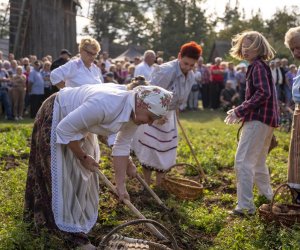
[
  {"x": 191, "y": 148},
  {"x": 154, "y": 195},
  {"x": 130, "y": 205}
]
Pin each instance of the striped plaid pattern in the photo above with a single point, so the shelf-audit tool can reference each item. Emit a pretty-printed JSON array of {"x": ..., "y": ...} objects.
[{"x": 260, "y": 103}]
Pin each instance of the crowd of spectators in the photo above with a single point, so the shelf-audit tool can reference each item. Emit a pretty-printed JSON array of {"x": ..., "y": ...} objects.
[{"x": 25, "y": 82}]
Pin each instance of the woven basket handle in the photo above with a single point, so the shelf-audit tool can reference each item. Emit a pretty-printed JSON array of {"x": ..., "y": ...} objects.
[
  {"x": 105, "y": 240},
  {"x": 190, "y": 165},
  {"x": 276, "y": 192}
]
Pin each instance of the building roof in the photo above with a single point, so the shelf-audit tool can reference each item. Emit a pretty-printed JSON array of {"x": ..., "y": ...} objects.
[
  {"x": 130, "y": 53},
  {"x": 219, "y": 49}
]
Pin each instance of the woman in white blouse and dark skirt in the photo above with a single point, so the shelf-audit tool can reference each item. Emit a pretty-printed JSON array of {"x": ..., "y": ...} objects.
[
  {"x": 155, "y": 144},
  {"x": 62, "y": 187}
]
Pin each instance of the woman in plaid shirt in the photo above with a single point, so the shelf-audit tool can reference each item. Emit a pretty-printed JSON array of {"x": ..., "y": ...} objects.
[{"x": 259, "y": 114}]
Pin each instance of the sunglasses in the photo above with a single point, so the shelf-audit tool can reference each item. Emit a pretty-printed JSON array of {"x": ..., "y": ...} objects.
[{"x": 91, "y": 53}]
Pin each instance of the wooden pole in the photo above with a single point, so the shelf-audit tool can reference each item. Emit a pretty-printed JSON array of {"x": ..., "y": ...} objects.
[
  {"x": 130, "y": 205},
  {"x": 191, "y": 148},
  {"x": 154, "y": 195}
]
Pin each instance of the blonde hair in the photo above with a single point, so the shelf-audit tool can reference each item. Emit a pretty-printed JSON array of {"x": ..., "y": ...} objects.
[
  {"x": 19, "y": 68},
  {"x": 47, "y": 63},
  {"x": 290, "y": 35},
  {"x": 259, "y": 44},
  {"x": 89, "y": 41}
]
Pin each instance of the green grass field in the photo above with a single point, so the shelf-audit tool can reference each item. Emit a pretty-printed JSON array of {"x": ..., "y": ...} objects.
[{"x": 201, "y": 224}]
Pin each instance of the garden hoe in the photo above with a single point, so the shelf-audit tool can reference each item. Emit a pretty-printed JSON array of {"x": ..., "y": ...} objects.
[
  {"x": 153, "y": 194},
  {"x": 203, "y": 176},
  {"x": 130, "y": 205}
]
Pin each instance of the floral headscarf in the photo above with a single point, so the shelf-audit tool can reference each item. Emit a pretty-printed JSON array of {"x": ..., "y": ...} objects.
[{"x": 154, "y": 98}]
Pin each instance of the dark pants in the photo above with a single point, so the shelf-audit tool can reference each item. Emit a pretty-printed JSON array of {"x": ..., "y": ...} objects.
[
  {"x": 205, "y": 95},
  {"x": 280, "y": 92},
  {"x": 35, "y": 103},
  {"x": 214, "y": 94},
  {"x": 47, "y": 92},
  {"x": 242, "y": 93},
  {"x": 4, "y": 99}
]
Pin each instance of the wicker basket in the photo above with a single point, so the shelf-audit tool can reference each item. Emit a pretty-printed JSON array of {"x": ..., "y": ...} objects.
[
  {"x": 278, "y": 217},
  {"x": 113, "y": 241},
  {"x": 181, "y": 187}
]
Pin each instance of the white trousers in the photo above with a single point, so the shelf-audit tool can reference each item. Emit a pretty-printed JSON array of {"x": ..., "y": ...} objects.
[{"x": 250, "y": 163}]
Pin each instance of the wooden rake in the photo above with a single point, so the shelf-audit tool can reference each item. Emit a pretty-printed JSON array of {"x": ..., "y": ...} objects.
[{"x": 203, "y": 176}]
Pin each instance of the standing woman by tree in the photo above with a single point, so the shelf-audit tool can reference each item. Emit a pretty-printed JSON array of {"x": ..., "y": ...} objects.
[
  {"x": 292, "y": 41},
  {"x": 259, "y": 113},
  {"x": 155, "y": 145}
]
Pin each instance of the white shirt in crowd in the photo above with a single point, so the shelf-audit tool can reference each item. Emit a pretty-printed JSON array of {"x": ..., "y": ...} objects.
[
  {"x": 74, "y": 73},
  {"x": 143, "y": 69},
  {"x": 96, "y": 109},
  {"x": 107, "y": 65}
]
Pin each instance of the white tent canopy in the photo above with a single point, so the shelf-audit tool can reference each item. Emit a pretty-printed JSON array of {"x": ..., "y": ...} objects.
[{"x": 130, "y": 53}]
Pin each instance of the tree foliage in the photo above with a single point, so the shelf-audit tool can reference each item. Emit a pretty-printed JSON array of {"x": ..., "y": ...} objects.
[
  {"x": 159, "y": 24},
  {"x": 4, "y": 21},
  {"x": 274, "y": 29},
  {"x": 121, "y": 21},
  {"x": 167, "y": 24}
]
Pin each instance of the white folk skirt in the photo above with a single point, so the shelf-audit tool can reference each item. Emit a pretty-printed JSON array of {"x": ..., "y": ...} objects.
[{"x": 155, "y": 145}]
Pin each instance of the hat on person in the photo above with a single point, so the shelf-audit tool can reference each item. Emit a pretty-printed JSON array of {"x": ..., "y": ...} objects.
[
  {"x": 109, "y": 74},
  {"x": 65, "y": 51},
  {"x": 242, "y": 65},
  {"x": 154, "y": 98}
]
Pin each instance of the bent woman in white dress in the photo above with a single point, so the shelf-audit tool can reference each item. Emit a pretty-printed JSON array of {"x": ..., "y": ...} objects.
[
  {"x": 62, "y": 189},
  {"x": 155, "y": 145}
]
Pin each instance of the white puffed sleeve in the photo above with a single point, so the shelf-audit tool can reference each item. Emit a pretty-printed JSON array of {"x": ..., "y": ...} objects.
[
  {"x": 62, "y": 73},
  {"x": 74, "y": 126},
  {"x": 161, "y": 77},
  {"x": 124, "y": 138}
]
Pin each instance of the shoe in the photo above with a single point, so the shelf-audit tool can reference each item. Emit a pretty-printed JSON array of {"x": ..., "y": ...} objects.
[
  {"x": 242, "y": 212},
  {"x": 21, "y": 118},
  {"x": 16, "y": 118}
]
